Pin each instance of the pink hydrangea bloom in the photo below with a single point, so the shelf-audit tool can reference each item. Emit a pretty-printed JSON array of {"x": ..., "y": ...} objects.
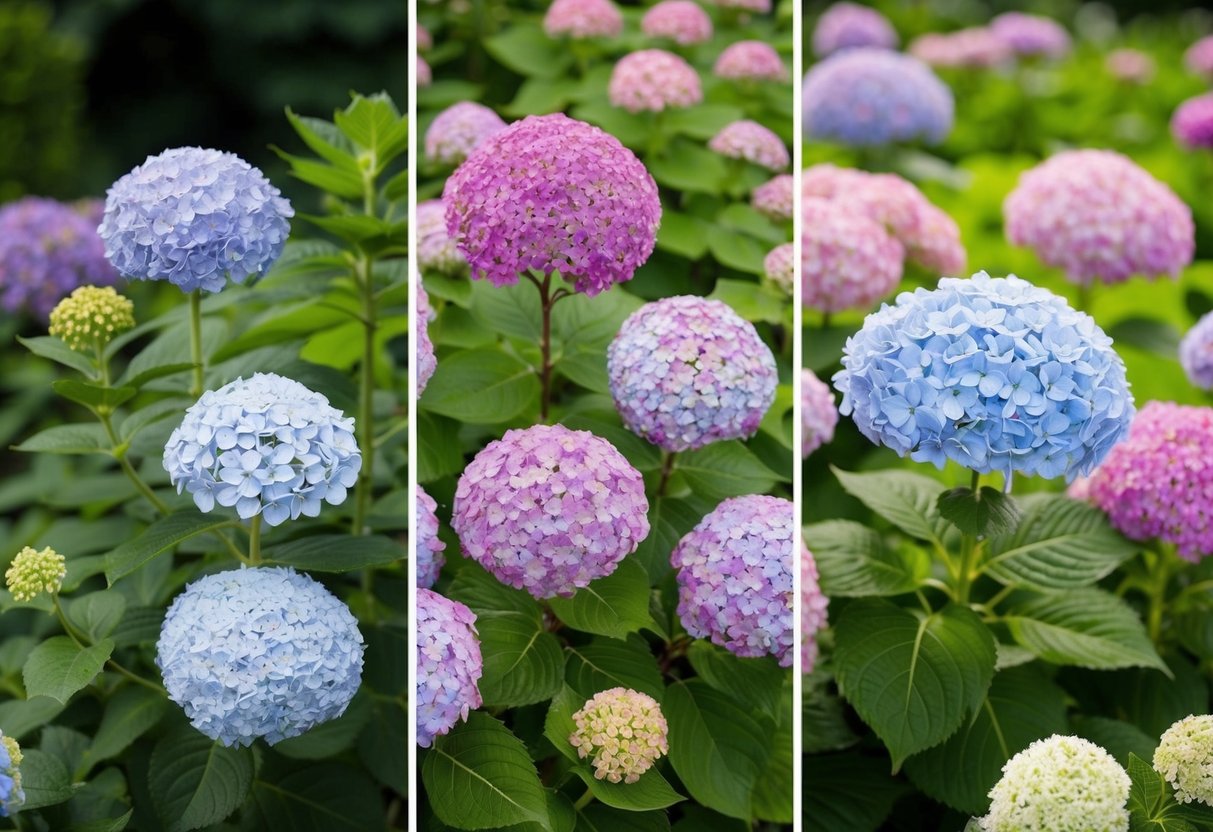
[
  {"x": 682, "y": 21},
  {"x": 846, "y": 25},
  {"x": 974, "y": 48},
  {"x": 1192, "y": 123},
  {"x": 653, "y": 80},
  {"x": 818, "y": 412},
  {"x": 582, "y": 19},
  {"x": 751, "y": 141},
  {"x": 623, "y": 732},
  {"x": 750, "y": 60},
  {"x": 1032, "y": 35},
  {"x": 774, "y": 199},
  {"x": 449, "y": 665},
  {"x": 425, "y": 76},
  {"x": 426, "y": 362},
  {"x": 1199, "y": 57},
  {"x": 1131, "y": 66},
  {"x": 779, "y": 265},
  {"x": 424, "y": 39},
  {"x": 847, "y": 260},
  {"x": 759, "y": 6},
  {"x": 436, "y": 251},
  {"x": 813, "y": 606},
  {"x": 458, "y": 130}
]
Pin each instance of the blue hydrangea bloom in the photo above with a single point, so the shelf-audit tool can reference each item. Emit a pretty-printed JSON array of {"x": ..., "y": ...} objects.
[
  {"x": 1196, "y": 353},
  {"x": 194, "y": 217},
  {"x": 992, "y": 373},
  {"x": 267, "y": 446},
  {"x": 429, "y": 545},
  {"x": 263, "y": 652},
  {"x": 12, "y": 795}
]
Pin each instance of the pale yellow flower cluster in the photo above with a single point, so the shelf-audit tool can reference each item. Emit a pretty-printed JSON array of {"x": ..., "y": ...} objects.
[
  {"x": 91, "y": 315},
  {"x": 623, "y": 731},
  {"x": 33, "y": 572}
]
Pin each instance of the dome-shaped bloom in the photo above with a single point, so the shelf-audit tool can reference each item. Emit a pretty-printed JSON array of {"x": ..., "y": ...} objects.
[
  {"x": 779, "y": 266},
  {"x": 47, "y": 249},
  {"x": 874, "y": 97},
  {"x": 553, "y": 194},
  {"x": 581, "y": 19},
  {"x": 1159, "y": 481},
  {"x": 682, "y": 21},
  {"x": 429, "y": 545},
  {"x": 1132, "y": 66},
  {"x": 424, "y": 39},
  {"x": 90, "y": 317},
  {"x": 1060, "y": 784},
  {"x": 818, "y": 412},
  {"x": 1099, "y": 216},
  {"x": 425, "y": 75},
  {"x": 1196, "y": 353},
  {"x": 686, "y": 371},
  {"x": 33, "y": 572},
  {"x": 449, "y": 665},
  {"x": 735, "y": 577},
  {"x": 751, "y": 141},
  {"x": 1031, "y": 35},
  {"x": 846, "y": 25},
  {"x": 991, "y": 373},
  {"x": 623, "y": 732},
  {"x": 974, "y": 48},
  {"x": 12, "y": 795},
  {"x": 436, "y": 251},
  {"x": 194, "y": 217},
  {"x": 458, "y": 130},
  {"x": 813, "y": 606},
  {"x": 1192, "y": 122},
  {"x": 548, "y": 509},
  {"x": 653, "y": 80},
  {"x": 268, "y": 446},
  {"x": 847, "y": 261},
  {"x": 758, "y": 6},
  {"x": 427, "y": 362},
  {"x": 1199, "y": 57},
  {"x": 1185, "y": 758},
  {"x": 774, "y": 199},
  {"x": 262, "y": 652},
  {"x": 750, "y": 60}
]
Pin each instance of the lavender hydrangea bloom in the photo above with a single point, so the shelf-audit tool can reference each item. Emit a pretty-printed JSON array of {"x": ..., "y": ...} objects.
[
  {"x": 268, "y": 446},
  {"x": 262, "y": 652},
  {"x": 436, "y": 251},
  {"x": 751, "y": 141},
  {"x": 686, "y": 371},
  {"x": 548, "y": 509},
  {"x": 1196, "y": 353},
  {"x": 458, "y": 130},
  {"x": 47, "y": 249},
  {"x": 682, "y": 21},
  {"x": 818, "y": 412},
  {"x": 429, "y": 545},
  {"x": 550, "y": 193},
  {"x": 427, "y": 362},
  {"x": 735, "y": 577},
  {"x": 194, "y": 217},
  {"x": 846, "y": 25},
  {"x": 449, "y": 665},
  {"x": 992, "y": 373},
  {"x": 1192, "y": 122},
  {"x": 1031, "y": 35}
]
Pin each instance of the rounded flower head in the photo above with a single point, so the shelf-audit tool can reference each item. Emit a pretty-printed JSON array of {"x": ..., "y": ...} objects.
[
  {"x": 425, "y": 75},
  {"x": 774, "y": 199},
  {"x": 1192, "y": 123},
  {"x": 974, "y": 48},
  {"x": 682, "y": 21},
  {"x": 47, "y": 249},
  {"x": 818, "y": 412},
  {"x": 847, "y": 25},
  {"x": 623, "y": 733},
  {"x": 686, "y": 371},
  {"x": 1060, "y": 784},
  {"x": 268, "y": 446},
  {"x": 1132, "y": 66},
  {"x": 458, "y": 130},
  {"x": 553, "y": 194},
  {"x": 875, "y": 97},
  {"x": 12, "y": 795},
  {"x": 263, "y": 652},
  {"x": 32, "y": 572},
  {"x": 429, "y": 545},
  {"x": 426, "y": 360},
  {"x": 751, "y": 141},
  {"x": 548, "y": 509},
  {"x": 750, "y": 60},
  {"x": 194, "y": 217},
  {"x": 424, "y": 39},
  {"x": 847, "y": 260},
  {"x": 1159, "y": 481},
  {"x": 436, "y": 251},
  {"x": 1196, "y": 353},
  {"x": 779, "y": 265},
  {"x": 448, "y": 665},
  {"x": 757, "y": 6},
  {"x": 1199, "y": 57},
  {"x": 91, "y": 316},
  {"x": 1099, "y": 216},
  {"x": 813, "y": 606},
  {"x": 1031, "y": 35},
  {"x": 581, "y": 19},
  {"x": 653, "y": 80},
  {"x": 991, "y": 373},
  {"x": 1185, "y": 758}
]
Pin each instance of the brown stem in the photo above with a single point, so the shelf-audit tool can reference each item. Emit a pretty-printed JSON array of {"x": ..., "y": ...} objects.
[
  {"x": 545, "y": 348},
  {"x": 667, "y": 468}
]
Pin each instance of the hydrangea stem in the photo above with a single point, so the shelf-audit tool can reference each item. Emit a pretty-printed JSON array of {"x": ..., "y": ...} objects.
[
  {"x": 109, "y": 663},
  {"x": 196, "y": 341},
  {"x": 365, "y": 428},
  {"x": 667, "y": 469},
  {"x": 1158, "y": 578},
  {"x": 547, "y": 300},
  {"x": 584, "y": 800},
  {"x": 254, "y": 540},
  {"x": 968, "y": 548}
]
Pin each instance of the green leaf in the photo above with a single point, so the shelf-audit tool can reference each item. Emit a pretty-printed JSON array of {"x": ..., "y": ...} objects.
[
  {"x": 598, "y": 818},
  {"x": 309, "y": 130},
  {"x": 757, "y": 303},
  {"x": 97, "y": 613},
  {"x": 905, "y": 499},
  {"x": 758, "y": 681},
  {"x": 606, "y": 663},
  {"x": 1149, "y": 334},
  {"x": 338, "y": 181},
  {"x": 848, "y": 792},
  {"x": 162, "y": 536},
  {"x": 21, "y": 716},
  {"x": 379, "y": 746},
  {"x": 485, "y": 595},
  {"x": 855, "y": 562},
  {"x": 772, "y": 796},
  {"x": 45, "y": 779},
  {"x": 194, "y": 781},
  {"x": 336, "y": 552},
  {"x": 86, "y": 438},
  {"x": 48, "y": 346},
  {"x": 979, "y": 513},
  {"x": 669, "y": 519},
  {"x": 332, "y": 737},
  {"x": 684, "y": 235},
  {"x": 725, "y": 469},
  {"x": 319, "y": 797},
  {"x": 131, "y": 712},
  {"x": 651, "y": 791},
  {"x": 58, "y": 667},
  {"x": 373, "y": 123},
  {"x": 93, "y": 396},
  {"x": 1117, "y": 737},
  {"x": 738, "y": 251},
  {"x": 542, "y": 95},
  {"x": 1148, "y": 699},
  {"x": 1152, "y": 805},
  {"x": 504, "y": 387},
  {"x": 524, "y": 48},
  {"x": 612, "y": 606},
  {"x": 523, "y": 663},
  {"x": 510, "y": 310}
]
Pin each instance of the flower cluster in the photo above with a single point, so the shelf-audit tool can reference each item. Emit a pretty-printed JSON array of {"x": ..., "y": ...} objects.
[
  {"x": 1199, "y": 57},
  {"x": 1030, "y": 35},
  {"x": 268, "y": 446},
  {"x": 425, "y": 40},
  {"x": 1196, "y": 353},
  {"x": 774, "y": 199},
  {"x": 582, "y": 19},
  {"x": 1099, "y": 216},
  {"x": 12, "y": 795},
  {"x": 429, "y": 545},
  {"x": 682, "y": 21},
  {"x": 757, "y": 6},
  {"x": 974, "y": 48},
  {"x": 847, "y": 25},
  {"x": 91, "y": 316},
  {"x": 653, "y": 80},
  {"x": 553, "y": 194},
  {"x": 847, "y": 260},
  {"x": 424, "y": 75},
  {"x": 458, "y": 130},
  {"x": 449, "y": 665},
  {"x": 194, "y": 217},
  {"x": 1184, "y": 757},
  {"x": 779, "y": 265},
  {"x": 263, "y": 652},
  {"x": 623, "y": 732},
  {"x": 436, "y": 251},
  {"x": 735, "y": 577},
  {"x": 874, "y": 97},
  {"x": 818, "y": 412},
  {"x": 426, "y": 360},
  {"x": 1192, "y": 123},
  {"x": 33, "y": 572},
  {"x": 548, "y": 509},
  {"x": 47, "y": 249},
  {"x": 750, "y": 60},
  {"x": 991, "y": 373},
  {"x": 686, "y": 371},
  {"x": 751, "y": 141},
  {"x": 1159, "y": 481},
  {"x": 813, "y": 606},
  {"x": 1131, "y": 66}
]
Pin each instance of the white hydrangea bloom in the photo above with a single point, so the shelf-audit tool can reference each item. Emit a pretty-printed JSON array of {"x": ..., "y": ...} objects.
[{"x": 1185, "y": 758}]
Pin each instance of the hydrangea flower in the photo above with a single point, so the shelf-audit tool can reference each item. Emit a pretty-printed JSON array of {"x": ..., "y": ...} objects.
[
  {"x": 436, "y": 251},
  {"x": 195, "y": 218},
  {"x": 1031, "y": 35},
  {"x": 1199, "y": 57},
  {"x": 261, "y": 652},
  {"x": 1132, "y": 66},
  {"x": 548, "y": 509},
  {"x": 90, "y": 317},
  {"x": 47, "y": 249},
  {"x": 846, "y": 25},
  {"x": 12, "y": 795},
  {"x": 751, "y": 141},
  {"x": 458, "y": 130},
  {"x": 582, "y": 19},
  {"x": 1196, "y": 353},
  {"x": 1159, "y": 481},
  {"x": 1098, "y": 216},
  {"x": 427, "y": 362},
  {"x": 424, "y": 39},
  {"x": 818, "y": 412},
  {"x": 750, "y": 60},
  {"x": 449, "y": 665},
  {"x": 653, "y": 80},
  {"x": 758, "y": 6},
  {"x": 268, "y": 446},
  {"x": 429, "y": 545},
  {"x": 686, "y": 371},
  {"x": 774, "y": 199},
  {"x": 1059, "y": 784},
  {"x": 1184, "y": 757},
  {"x": 846, "y": 259},
  {"x": 735, "y": 577},
  {"x": 991, "y": 373},
  {"x": 779, "y": 265},
  {"x": 682, "y": 21},
  {"x": 813, "y": 606},
  {"x": 874, "y": 97},
  {"x": 553, "y": 194},
  {"x": 1192, "y": 123},
  {"x": 623, "y": 732},
  {"x": 976, "y": 47},
  {"x": 424, "y": 75},
  {"x": 33, "y": 572}
]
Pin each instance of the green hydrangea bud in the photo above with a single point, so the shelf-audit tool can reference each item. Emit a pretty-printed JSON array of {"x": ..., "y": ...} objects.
[
  {"x": 1184, "y": 757},
  {"x": 623, "y": 731},
  {"x": 33, "y": 572},
  {"x": 91, "y": 315}
]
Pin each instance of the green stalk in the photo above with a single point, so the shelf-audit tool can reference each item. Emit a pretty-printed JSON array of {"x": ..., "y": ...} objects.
[
  {"x": 196, "y": 341},
  {"x": 968, "y": 549},
  {"x": 254, "y": 540},
  {"x": 365, "y": 427},
  {"x": 584, "y": 800}
]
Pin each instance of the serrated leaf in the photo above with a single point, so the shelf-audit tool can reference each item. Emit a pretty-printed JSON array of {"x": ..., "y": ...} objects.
[
  {"x": 651, "y": 791},
  {"x": 194, "y": 781},
  {"x": 606, "y": 663},
  {"x": 88, "y": 438},
  {"x": 58, "y": 667},
  {"x": 613, "y": 606},
  {"x": 45, "y": 779},
  {"x": 317, "y": 797},
  {"x": 905, "y": 499},
  {"x": 725, "y": 469},
  {"x": 130, "y": 713},
  {"x": 97, "y": 613},
  {"x": 48, "y": 346},
  {"x": 92, "y": 395},
  {"x": 1152, "y": 805},
  {"x": 160, "y": 537},
  {"x": 335, "y": 552},
  {"x": 980, "y": 513},
  {"x": 504, "y": 385},
  {"x": 855, "y": 562},
  {"x": 523, "y": 663},
  {"x": 757, "y": 681}
]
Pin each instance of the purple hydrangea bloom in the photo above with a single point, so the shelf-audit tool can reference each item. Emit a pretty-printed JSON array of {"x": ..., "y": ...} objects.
[
  {"x": 751, "y": 141},
  {"x": 991, "y": 373},
  {"x": 774, "y": 199},
  {"x": 427, "y": 362},
  {"x": 735, "y": 577},
  {"x": 448, "y": 665},
  {"x": 550, "y": 193},
  {"x": 458, "y": 130},
  {"x": 818, "y": 412},
  {"x": 1031, "y": 35},
  {"x": 47, "y": 249},
  {"x": 686, "y": 371},
  {"x": 846, "y": 25},
  {"x": 682, "y": 21},
  {"x": 1192, "y": 123},
  {"x": 548, "y": 509},
  {"x": 1196, "y": 353},
  {"x": 263, "y": 652},
  {"x": 194, "y": 217},
  {"x": 436, "y": 251},
  {"x": 429, "y": 545}
]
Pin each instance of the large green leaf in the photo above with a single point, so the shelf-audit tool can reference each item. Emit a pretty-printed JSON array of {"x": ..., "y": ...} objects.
[
  {"x": 905, "y": 499},
  {"x": 598, "y": 818},
  {"x": 607, "y": 663},
  {"x": 336, "y": 552},
  {"x": 331, "y": 737},
  {"x": 854, "y": 561},
  {"x": 525, "y": 49},
  {"x": 1152, "y": 804},
  {"x": 89, "y": 438},
  {"x": 195, "y": 781},
  {"x": 318, "y": 797},
  {"x": 160, "y": 537},
  {"x": 483, "y": 386},
  {"x": 97, "y": 613},
  {"x": 669, "y": 519},
  {"x": 755, "y": 680},
  {"x": 58, "y": 667},
  {"x": 48, "y": 346},
  {"x": 651, "y": 791},
  {"x": 129, "y": 714},
  {"x": 523, "y": 663},
  {"x": 772, "y": 796},
  {"x": 725, "y": 469},
  {"x": 612, "y": 606},
  {"x": 45, "y": 779},
  {"x": 981, "y": 513},
  {"x": 848, "y": 792}
]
